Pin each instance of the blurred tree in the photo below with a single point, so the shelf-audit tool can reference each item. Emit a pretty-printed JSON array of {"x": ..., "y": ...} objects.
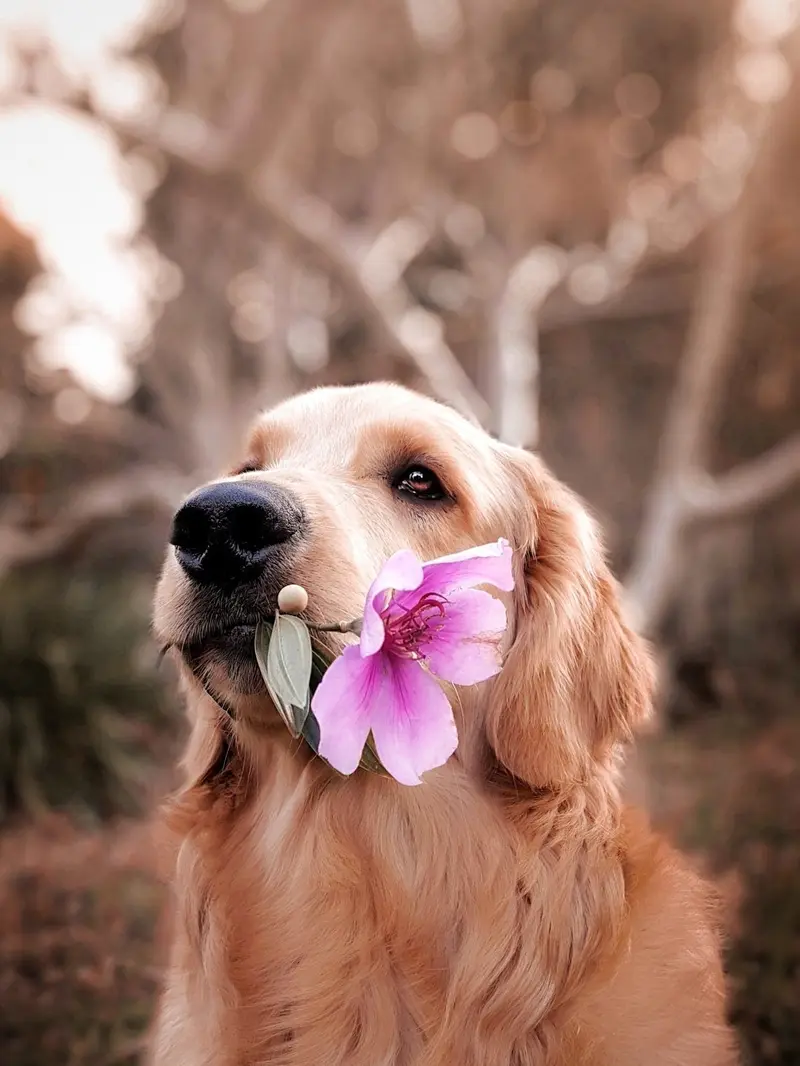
[
  {"x": 575, "y": 222},
  {"x": 81, "y": 712},
  {"x": 452, "y": 198}
]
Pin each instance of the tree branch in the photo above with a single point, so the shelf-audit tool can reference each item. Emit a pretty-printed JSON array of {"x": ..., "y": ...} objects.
[
  {"x": 408, "y": 333},
  {"x": 108, "y": 498},
  {"x": 705, "y": 362},
  {"x": 314, "y": 226},
  {"x": 745, "y": 487},
  {"x": 643, "y": 297},
  {"x": 528, "y": 286}
]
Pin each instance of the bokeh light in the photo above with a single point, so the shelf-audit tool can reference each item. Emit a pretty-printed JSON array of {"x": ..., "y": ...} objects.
[{"x": 475, "y": 135}]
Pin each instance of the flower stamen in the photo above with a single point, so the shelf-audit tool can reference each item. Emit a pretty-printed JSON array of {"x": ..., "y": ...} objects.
[{"x": 407, "y": 630}]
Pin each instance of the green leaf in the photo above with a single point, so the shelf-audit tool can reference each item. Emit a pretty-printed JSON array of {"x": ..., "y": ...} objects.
[
  {"x": 283, "y": 654},
  {"x": 311, "y": 732},
  {"x": 280, "y": 678},
  {"x": 289, "y": 659},
  {"x": 263, "y": 637}
]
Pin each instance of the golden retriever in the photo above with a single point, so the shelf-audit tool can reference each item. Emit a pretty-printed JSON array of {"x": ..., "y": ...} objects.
[{"x": 507, "y": 912}]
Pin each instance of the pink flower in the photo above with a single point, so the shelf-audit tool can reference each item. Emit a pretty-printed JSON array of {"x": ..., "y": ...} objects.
[{"x": 420, "y": 619}]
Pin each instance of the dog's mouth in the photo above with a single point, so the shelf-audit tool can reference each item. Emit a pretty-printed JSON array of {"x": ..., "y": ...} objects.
[
  {"x": 234, "y": 642},
  {"x": 237, "y": 639},
  {"x": 224, "y": 661}
]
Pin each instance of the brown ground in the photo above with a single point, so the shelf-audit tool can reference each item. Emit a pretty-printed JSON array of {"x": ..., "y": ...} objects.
[{"x": 79, "y": 968}]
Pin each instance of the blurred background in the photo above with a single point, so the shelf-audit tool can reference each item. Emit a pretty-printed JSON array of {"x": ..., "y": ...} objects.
[{"x": 578, "y": 222}]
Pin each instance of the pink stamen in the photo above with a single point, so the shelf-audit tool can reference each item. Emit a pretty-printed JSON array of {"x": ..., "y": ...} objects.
[{"x": 406, "y": 630}]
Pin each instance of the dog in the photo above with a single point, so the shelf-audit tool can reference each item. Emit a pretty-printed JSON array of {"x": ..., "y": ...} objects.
[{"x": 509, "y": 911}]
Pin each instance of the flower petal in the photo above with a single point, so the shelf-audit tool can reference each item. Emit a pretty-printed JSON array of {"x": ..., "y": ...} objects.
[
  {"x": 413, "y": 727},
  {"x": 343, "y": 705},
  {"x": 402, "y": 571},
  {"x": 465, "y": 646},
  {"x": 488, "y": 564}
]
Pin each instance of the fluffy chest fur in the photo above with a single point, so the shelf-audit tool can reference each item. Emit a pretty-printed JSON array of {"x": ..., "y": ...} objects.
[{"x": 360, "y": 922}]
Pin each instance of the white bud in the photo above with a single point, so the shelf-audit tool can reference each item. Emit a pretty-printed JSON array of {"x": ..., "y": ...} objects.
[{"x": 292, "y": 599}]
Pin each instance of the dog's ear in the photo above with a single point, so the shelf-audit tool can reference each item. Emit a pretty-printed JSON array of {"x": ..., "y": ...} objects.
[{"x": 576, "y": 680}]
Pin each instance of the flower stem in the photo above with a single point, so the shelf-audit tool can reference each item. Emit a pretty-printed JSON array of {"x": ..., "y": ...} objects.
[{"x": 338, "y": 627}]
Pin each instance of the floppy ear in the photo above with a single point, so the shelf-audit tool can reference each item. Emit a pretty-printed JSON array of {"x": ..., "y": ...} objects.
[{"x": 576, "y": 680}]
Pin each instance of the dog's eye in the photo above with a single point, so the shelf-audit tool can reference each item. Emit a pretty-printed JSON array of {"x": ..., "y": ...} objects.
[
  {"x": 420, "y": 483},
  {"x": 250, "y": 466}
]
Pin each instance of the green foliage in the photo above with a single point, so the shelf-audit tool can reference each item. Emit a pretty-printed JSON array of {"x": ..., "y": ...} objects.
[{"x": 82, "y": 714}]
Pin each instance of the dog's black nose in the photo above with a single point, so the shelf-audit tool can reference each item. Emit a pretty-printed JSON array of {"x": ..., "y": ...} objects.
[{"x": 225, "y": 533}]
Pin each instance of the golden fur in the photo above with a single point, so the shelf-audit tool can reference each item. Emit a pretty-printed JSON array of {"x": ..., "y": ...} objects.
[{"x": 510, "y": 911}]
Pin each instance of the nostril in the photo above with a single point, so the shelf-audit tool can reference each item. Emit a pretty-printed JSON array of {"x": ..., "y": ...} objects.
[
  {"x": 224, "y": 533},
  {"x": 191, "y": 530},
  {"x": 250, "y": 528}
]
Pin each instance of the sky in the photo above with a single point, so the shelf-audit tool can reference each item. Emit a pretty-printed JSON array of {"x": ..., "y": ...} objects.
[{"x": 63, "y": 180}]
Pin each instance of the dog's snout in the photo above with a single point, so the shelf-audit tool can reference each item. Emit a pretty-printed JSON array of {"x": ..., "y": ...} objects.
[{"x": 225, "y": 534}]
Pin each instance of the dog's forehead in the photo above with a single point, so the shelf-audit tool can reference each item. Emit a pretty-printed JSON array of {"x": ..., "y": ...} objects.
[{"x": 330, "y": 425}]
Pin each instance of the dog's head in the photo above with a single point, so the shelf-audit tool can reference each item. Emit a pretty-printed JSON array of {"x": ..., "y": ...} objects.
[{"x": 335, "y": 481}]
